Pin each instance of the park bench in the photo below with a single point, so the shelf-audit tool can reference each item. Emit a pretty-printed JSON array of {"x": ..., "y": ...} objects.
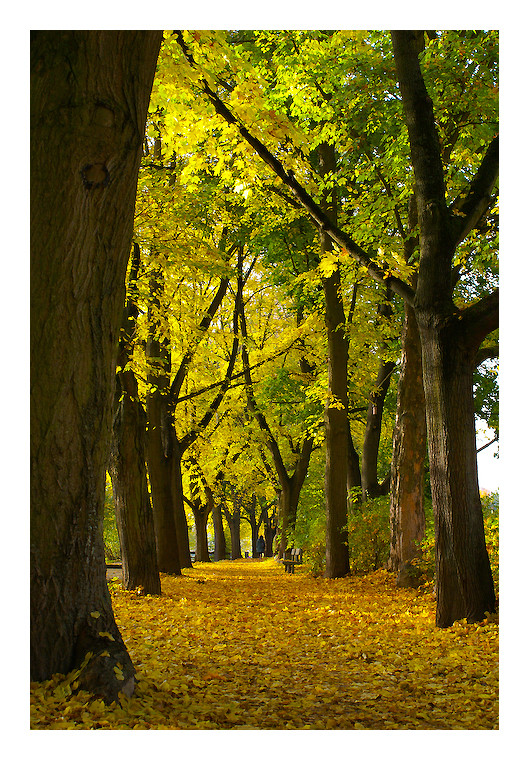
[{"x": 296, "y": 558}]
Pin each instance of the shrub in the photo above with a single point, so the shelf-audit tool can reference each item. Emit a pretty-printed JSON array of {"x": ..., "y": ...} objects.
[{"x": 369, "y": 536}]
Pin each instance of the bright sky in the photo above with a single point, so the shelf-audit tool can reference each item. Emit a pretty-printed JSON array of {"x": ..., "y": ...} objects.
[{"x": 488, "y": 464}]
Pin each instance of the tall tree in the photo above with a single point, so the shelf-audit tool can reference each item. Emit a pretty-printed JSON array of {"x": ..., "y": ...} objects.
[
  {"x": 450, "y": 339},
  {"x": 89, "y": 97},
  {"x": 127, "y": 466},
  {"x": 165, "y": 461}
]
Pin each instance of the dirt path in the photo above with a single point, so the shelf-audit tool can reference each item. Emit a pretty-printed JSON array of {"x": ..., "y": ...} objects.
[{"x": 242, "y": 645}]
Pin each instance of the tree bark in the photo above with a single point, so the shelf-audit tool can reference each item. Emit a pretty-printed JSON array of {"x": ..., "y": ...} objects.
[
  {"x": 159, "y": 460},
  {"x": 177, "y": 486},
  {"x": 407, "y": 521},
  {"x": 89, "y": 97},
  {"x": 129, "y": 483},
  {"x": 201, "y": 522},
  {"x": 127, "y": 461}
]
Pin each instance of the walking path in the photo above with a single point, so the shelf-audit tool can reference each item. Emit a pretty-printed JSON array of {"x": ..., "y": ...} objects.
[{"x": 242, "y": 645}]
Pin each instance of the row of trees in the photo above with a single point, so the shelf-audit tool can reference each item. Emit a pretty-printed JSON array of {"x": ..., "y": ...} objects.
[{"x": 316, "y": 214}]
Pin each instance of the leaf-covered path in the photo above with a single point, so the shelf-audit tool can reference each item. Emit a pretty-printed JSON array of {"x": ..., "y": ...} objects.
[{"x": 241, "y": 645}]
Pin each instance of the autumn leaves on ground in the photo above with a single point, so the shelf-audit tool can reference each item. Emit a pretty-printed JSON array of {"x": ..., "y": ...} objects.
[{"x": 241, "y": 645}]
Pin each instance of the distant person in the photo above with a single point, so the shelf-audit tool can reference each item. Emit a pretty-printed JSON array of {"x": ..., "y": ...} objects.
[{"x": 260, "y": 546}]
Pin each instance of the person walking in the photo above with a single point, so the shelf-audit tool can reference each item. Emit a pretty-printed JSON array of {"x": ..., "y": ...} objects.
[{"x": 260, "y": 546}]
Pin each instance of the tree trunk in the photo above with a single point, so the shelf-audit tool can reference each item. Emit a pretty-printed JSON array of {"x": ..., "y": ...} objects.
[
  {"x": 201, "y": 523},
  {"x": 336, "y": 409},
  {"x": 354, "y": 474},
  {"x": 159, "y": 465},
  {"x": 182, "y": 528},
  {"x": 234, "y": 523},
  {"x": 220, "y": 538},
  {"x": 129, "y": 483},
  {"x": 465, "y": 587},
  {"x": 127, "y": 460},
  {"x": 290, "y": 493},
  {"x": 373, "y": 429},
  {"x": 407, "y": 521},
  {"x": 201, "y": 512},
  {"x": 89, "y": 97}
]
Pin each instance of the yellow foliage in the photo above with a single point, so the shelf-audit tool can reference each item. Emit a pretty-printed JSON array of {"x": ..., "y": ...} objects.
[{"x": 241, "y": 645}]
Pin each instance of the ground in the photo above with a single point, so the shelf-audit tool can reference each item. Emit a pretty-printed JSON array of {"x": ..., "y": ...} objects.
[{"x": 242, "y": 645}]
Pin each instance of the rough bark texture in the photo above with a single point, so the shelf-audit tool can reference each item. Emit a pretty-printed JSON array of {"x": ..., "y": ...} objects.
[
  {"x": 407, "y": 521},
  {"x": 160, "y": 465},
  {"x": 128, "y": 472},
  {"x": 89, "y": 98},
  {"x": 465, "y": 587}
]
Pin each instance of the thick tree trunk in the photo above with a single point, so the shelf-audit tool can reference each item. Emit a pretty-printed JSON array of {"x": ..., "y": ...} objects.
[
  {"x": 373, "y": 429},
  {"x": 407, "y": 521},
  {"x": 129, "y": 483},
  {"x": 89, "y": 96},
  {"x": 465, "y": 588}
]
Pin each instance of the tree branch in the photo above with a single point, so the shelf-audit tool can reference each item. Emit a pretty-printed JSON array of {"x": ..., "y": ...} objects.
[
  {"x": 419, "y": 116},
  {"x": 318, "y": 216},
  {"x": 481, "y": 318},
  {"x": 469, "y": 207},
  {"x": 176, "y": 385},
  {"x": 487, "y": 352},
  {"x": 486, "y": 445}
]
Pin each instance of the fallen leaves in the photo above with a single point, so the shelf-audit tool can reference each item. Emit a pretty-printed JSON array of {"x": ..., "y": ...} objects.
[{"x": 250, "y": 647}]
